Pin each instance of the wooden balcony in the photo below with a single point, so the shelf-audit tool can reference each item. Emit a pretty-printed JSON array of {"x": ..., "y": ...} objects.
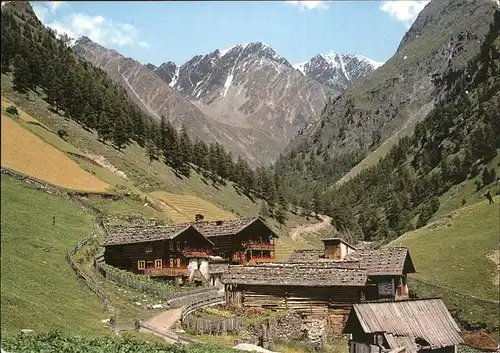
[
  {"x": 254, "y": 245},
  {"x": 261, "y": 260},
  {"x": 166, "y": 271},
  {"x": 196, "y": 253}
]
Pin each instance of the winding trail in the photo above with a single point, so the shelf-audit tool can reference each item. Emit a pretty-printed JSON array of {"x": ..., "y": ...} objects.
[{"x": 297, "y": 233}]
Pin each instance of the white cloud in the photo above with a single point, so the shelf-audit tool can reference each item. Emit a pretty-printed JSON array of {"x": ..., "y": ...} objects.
[
  {"x": 143, "y": 44},
  {"x": 403, "y": 10},
  {"x": 310, "y": 5},
  {"x": 46, "y": 8},
  {"x": 101, "y": 30}
]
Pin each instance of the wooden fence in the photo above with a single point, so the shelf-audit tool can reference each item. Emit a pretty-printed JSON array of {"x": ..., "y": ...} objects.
[
  {"x": 212, "y": 326},
  {"x": 74, "y": 198}
]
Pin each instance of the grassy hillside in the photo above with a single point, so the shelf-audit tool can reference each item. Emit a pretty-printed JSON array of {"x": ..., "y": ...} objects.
[
  {"x": 39, "y": 289},
  {"x": 133, "y": 160},
  {"x": 458, "y": 252}
]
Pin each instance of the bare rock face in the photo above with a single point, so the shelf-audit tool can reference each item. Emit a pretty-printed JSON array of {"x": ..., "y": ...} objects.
[
  {"x": 338, "y": 71},
  {"x": 251, "y": 86},
  {"x": 157, "y": 98}
]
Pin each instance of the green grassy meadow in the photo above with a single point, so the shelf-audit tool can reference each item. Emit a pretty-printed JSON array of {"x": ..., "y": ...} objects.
[{"x": 39, "y": 290}]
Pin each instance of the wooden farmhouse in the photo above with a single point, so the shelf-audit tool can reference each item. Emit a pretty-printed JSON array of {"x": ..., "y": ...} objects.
[
  {"x": 178, "y": 251},
  {"x": 242, "y": 241},
  {"x": 322, "y": 283},
  {"x": 387, "y": 268},
  {"x": 422, "y": 325}
]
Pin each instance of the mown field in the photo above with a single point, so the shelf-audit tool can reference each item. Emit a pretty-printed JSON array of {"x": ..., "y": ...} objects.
[
  {"x": 458, "y": 251},
  {"x": 185, "y": 207},
  {"x": 26, "y": 153}
]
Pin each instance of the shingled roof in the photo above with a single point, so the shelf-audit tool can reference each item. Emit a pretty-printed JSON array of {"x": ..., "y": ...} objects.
[
  {"x": 384, "y": 261},
  {"x": 406, "y": 322},
  {"x": 229, "y": 227},
  {"x": 118, "y": 235},
  {"x": 294, "y": 275},
  {"x": 307, "y": 255},
  {"x": 381, "y": 262}
]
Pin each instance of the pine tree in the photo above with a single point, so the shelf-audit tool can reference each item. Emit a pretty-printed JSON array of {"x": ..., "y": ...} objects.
[
  {"x": 152, "y": 151},
  {"x": 22, "y": 74},
  {"x": 119, "y": 136}
]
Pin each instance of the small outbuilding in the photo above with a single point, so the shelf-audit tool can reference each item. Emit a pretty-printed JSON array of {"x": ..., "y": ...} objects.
[{"x": 418, "y": 325}]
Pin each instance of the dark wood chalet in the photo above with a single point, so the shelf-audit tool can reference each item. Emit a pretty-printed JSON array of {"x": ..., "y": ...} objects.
[
  {"x": 159, "y": 251},
  {"x": 421, "y": 325},
  {"x": 326, "y": 290},
  {"x": 242, "y": 241},
  {"x": 387, "y": 268}
]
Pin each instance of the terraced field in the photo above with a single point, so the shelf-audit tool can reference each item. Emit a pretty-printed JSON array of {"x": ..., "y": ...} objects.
[
  {"x": 183, "y": 208},
  {"x": 26, "y": 153}
]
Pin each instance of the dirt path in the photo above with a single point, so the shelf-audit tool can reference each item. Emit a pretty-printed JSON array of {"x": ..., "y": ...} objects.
[
  {"x": 164, "y": 321},
  {"x": 297, "y": 233}
]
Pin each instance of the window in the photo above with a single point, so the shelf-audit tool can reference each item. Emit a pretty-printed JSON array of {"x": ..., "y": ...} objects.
[
  {"x": 178, "y": 245},
  {"x": 170, "y": 245},
  {"x": 141, "y": 265},
  {"x": 158, "y": 263},
  {"x": 178, "y": 262},
  {"x": 149, "y": 249},
  {"x": 171, "y": 262}
]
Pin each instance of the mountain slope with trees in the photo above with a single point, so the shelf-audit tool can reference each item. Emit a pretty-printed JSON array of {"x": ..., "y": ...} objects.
[
  {"x": 40, "y": 61},
  {"x": 456, "y": 144},
  {"x": 386, "y": 106}
]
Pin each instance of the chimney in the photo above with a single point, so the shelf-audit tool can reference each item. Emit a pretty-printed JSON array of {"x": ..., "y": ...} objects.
[{"x": 335, "y": 249}]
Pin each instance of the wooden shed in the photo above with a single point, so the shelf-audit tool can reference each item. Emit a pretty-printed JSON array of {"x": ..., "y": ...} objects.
[
  {"x": 158, "y": 251},
  {"x": 420, "y": 325},
  {"x": 242, "y": 241},
  {"x": 313, "y": 290}
]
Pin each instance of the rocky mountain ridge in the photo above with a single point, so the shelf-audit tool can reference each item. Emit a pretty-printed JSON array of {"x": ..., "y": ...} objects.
[
  {"x": 385, "y": 106},
  {"x": 250, "y": 85},
  {"x": 337, "y": 70}
]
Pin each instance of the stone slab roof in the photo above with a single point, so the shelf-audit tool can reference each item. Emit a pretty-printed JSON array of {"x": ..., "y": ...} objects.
[
  {"x": 126, "y": 234},
  {"x": 224, "y": 228},
  {"x": 380, "y": 262},
  {"x": 295, "y": 275}
]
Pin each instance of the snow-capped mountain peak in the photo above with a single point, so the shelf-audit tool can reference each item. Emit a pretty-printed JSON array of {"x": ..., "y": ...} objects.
[{"x": 337, "y": 70}]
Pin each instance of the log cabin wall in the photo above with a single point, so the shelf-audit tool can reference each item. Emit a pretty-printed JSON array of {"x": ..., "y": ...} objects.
[
  {"x": 332, "y": 303},
  {"x": 127, "y": 256},
  {"x": 161, "y": 253}
]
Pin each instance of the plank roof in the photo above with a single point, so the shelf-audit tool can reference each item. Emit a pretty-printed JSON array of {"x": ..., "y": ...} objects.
[
  {"x": 408, "y": 323},
  {"x": 294, "y": 275},
  {"x": 127, "y": 234}
]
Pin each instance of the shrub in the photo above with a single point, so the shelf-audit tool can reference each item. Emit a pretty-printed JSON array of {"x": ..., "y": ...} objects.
[
  {"x": 12, "y": 110},
  {"x": 62, "y": 134}
]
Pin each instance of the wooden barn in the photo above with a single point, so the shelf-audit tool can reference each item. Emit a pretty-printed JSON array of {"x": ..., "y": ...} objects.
[
  {"x": 326, "y": 290},
  {"x": 159, "y": 251},
  {"x": 387, "y": 268},
  {"x": 242, "y": 241},
  {"x": 421, "y": 325}
]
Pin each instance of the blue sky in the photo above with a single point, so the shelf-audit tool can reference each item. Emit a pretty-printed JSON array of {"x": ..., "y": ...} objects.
[{"x": 156, "y": 32}]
